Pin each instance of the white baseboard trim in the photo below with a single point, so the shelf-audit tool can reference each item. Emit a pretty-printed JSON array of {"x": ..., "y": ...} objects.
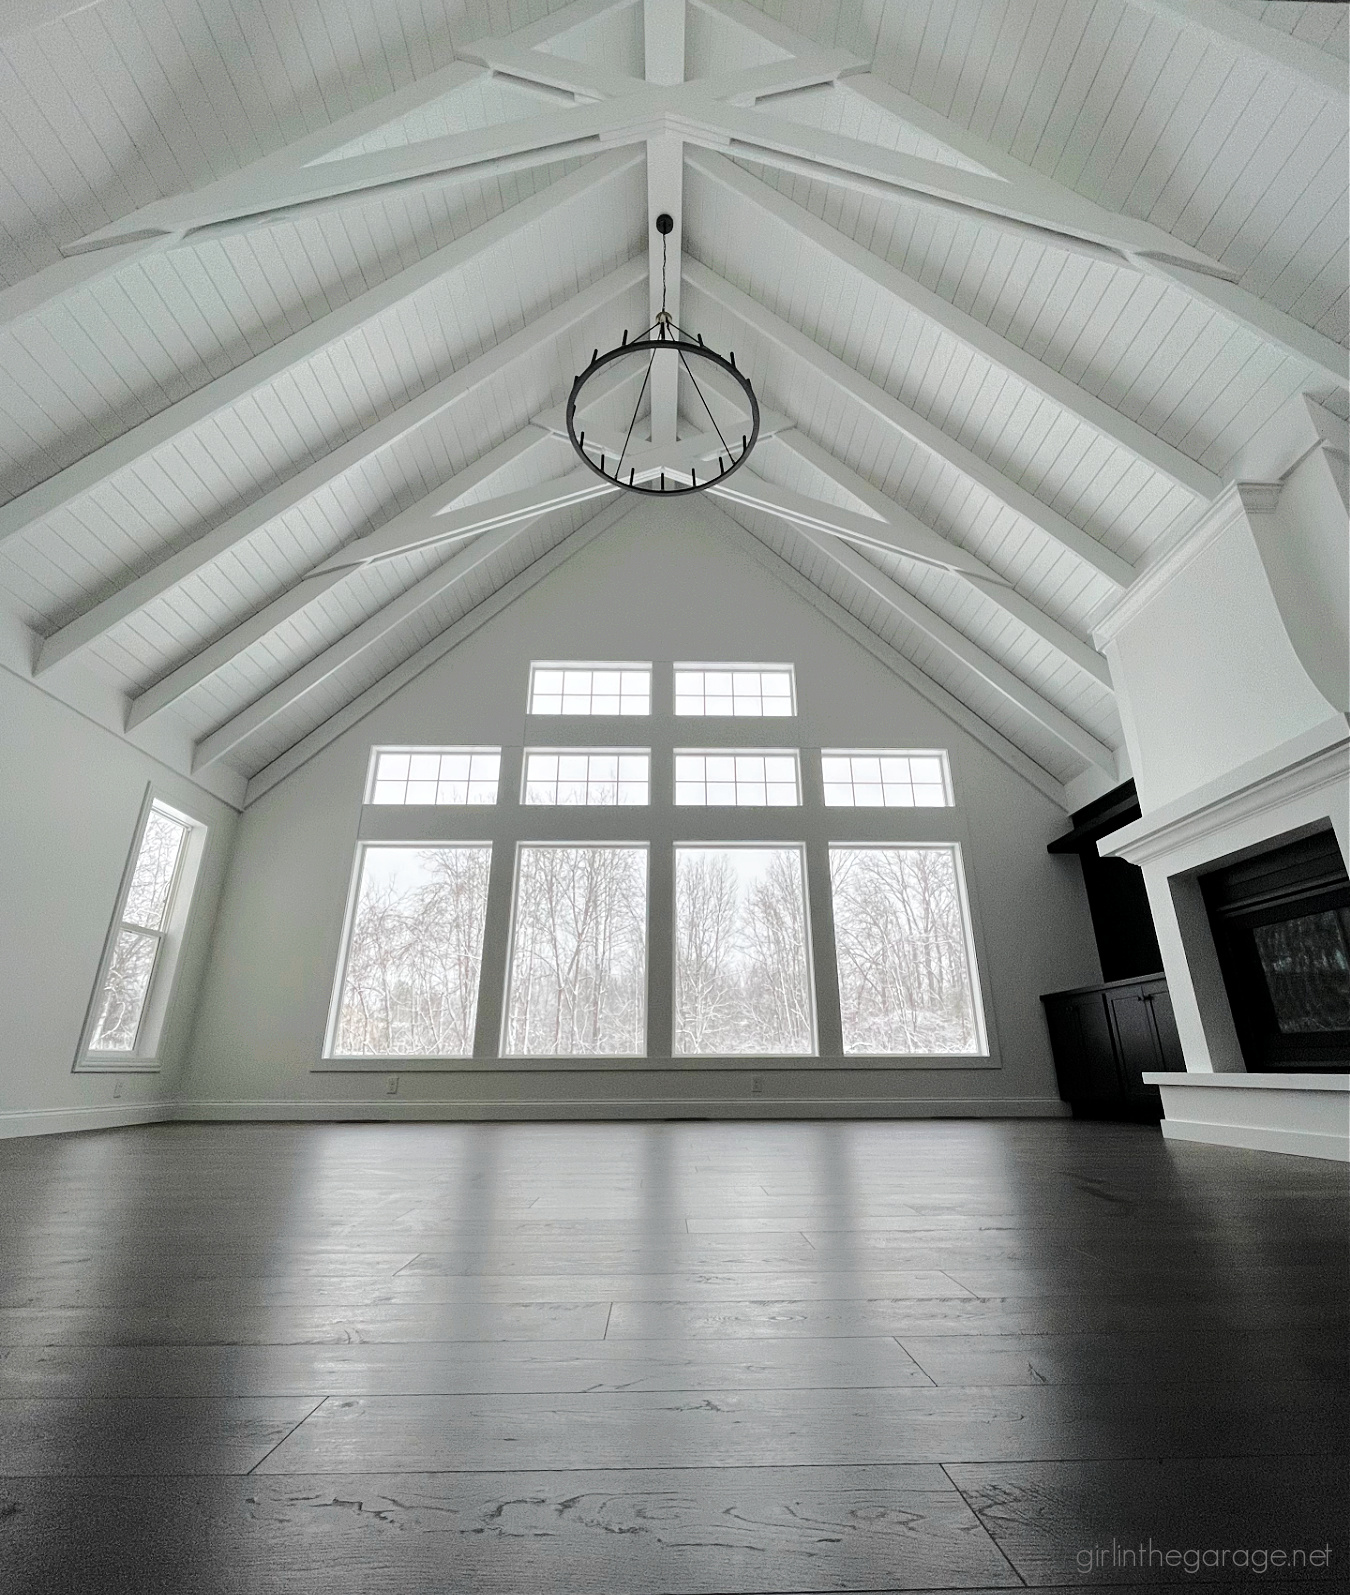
[
  {"x": 394, "y": 1111},
  {"x": 1301, "y": 1143},
  {"x": 60, "y": 1121}
]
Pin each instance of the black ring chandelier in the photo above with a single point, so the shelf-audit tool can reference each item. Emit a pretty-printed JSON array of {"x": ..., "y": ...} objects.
[{"x": 665, "y": 336}]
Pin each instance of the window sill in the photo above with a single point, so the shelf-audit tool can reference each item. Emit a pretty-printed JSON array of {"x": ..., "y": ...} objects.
[
  {"x": 753, "y": 1065},
  {"x": 114, "y": 1064}
]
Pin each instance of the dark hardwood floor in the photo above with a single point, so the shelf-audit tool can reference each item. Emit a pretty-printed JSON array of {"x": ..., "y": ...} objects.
[{"x": 357, "y": 1359}]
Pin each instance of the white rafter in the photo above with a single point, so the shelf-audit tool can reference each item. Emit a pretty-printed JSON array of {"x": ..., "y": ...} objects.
[
  {"x": 1318, "y": 70},
  {"x": 973, "y": 571},
  {"x": 955, "y": 642},
  {"x": 458, "y": 388},
  {"x": 1116, "y": 428},
  {"x": 890, "y": 410},
  {"x": 213, "y": 397}
]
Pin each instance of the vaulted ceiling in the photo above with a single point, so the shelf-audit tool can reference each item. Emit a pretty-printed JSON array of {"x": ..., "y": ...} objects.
[{"x": 294, "y": 291}]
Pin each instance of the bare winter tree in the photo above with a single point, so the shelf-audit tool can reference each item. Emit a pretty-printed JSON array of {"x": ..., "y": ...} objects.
[
  {"x": 579, "y": 958},
  {"x": 410, "y": 988},
  {"x": 742, "y": 984},
  {"x": 900, "y": 939}
]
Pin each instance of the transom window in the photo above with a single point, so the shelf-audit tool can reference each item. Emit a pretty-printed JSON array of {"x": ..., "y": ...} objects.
[
  {"x": 734, "y": 689},
  {"x": 590, "y": 689},
  {"x": 555, "y": 776},
  {"x": 737, "y": 780},
  {"x": 435, "y": 775},
  {"x": 886, "y": 780}
]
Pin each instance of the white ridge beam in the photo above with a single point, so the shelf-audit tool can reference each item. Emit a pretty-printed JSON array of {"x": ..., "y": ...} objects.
[
  {"x": 890, "y": 410},
  {"x": 215, "y": 396},
  {"x": 1118, "y": 429},
  {"x": 207, "y": 661},
  {"x": 663, "y": 46},
  {"x": 459, "y": 387},
  {"x": 1059, "y": 636},
  {"x": 970, "y": 654},
  {"x": 248, "y": 722}
]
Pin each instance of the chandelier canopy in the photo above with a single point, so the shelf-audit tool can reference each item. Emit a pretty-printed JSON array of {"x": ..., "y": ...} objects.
[{"x": 640, "y": 466}]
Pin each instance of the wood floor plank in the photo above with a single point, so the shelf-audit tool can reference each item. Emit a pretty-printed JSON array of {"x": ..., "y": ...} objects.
[
  {"x": 759, "y": 1429},
  {"x": 718, "y": 1532},
  {"x": 458, "y": 1368},
  {"x": 1089, "y": 1521}
]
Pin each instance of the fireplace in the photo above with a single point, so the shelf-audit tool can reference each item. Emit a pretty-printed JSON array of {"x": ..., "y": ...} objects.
[{"x": 1281, "y": 925}]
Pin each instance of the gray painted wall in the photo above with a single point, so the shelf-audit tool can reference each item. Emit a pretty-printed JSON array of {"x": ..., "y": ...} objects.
[
  {"x": 668, "y": 582},
  {"x": 70, "y": 797}
]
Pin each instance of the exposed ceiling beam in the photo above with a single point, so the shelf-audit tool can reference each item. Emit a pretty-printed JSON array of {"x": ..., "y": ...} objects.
[
  {"x": 460, "y": 386},
  {"x": 976, "y": 572},
  {"x": 212, "y": 397},
  {"x": 1252, "y": 39},
  {"x": 1109, "y": 423},
  {"x": 204, "y": 664},
  {"x": 843, "y": 377},
  {"x": 663, "y": 43},
  {"x": 456, "y": 570},
  {"x": 917, "y": 614},
  {"x": 308, "y": 745},
  {"x": 414, "y": 533},
  {"x": 1214, "y": 284}
]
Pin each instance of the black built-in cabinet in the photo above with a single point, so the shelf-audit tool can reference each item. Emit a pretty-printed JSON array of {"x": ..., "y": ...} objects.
[{"x": 1104, "y": 1038}]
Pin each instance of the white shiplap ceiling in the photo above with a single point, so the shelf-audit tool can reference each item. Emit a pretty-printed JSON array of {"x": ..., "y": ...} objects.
[{"x": 1016, "y": 281}]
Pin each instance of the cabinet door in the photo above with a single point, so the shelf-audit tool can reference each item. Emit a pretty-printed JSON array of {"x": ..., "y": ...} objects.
[
  {"x": 1137, "y": 1046},
  {"x": 1085, "y": 1061},
  {"x": 1165, "y": 1027}
]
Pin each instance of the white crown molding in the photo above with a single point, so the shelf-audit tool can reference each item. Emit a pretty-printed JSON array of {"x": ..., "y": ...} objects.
[
  {"x": 1306, "y": 768},
  {"x": 1237, "y": 501}
]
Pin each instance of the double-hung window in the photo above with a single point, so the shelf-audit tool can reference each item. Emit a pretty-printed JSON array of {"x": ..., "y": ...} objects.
[{"x": 131, "y": 999}]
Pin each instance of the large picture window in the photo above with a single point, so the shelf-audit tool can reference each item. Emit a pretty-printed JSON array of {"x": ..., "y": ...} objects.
[
  {"x": 742, "y": 964},
  {"x": 578, "y": 976},
  {"x": 410, "y": 976},
  {"x": 902, "y": 942}
]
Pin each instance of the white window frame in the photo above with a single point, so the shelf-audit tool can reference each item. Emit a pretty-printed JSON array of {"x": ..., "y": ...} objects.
[
  {"x": 535, "y": 749},
  {"x": 620, "y": 665},
  {"x": 721, "y": 665},
  {"x": 940, "y": 754},
  {"x": 982, "y": 1049},
  {"x": 734, "y": 753},
  {"x": 388, "y": 1060},
  {"x": 438, "y": 749},
  {"x": 144, "y": 1056}
]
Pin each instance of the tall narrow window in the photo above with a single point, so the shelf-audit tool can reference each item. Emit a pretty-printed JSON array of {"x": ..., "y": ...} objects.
[
  {"x": 907, "y": 981},
  {"x": 409, "y": 986},
  {"x": 742, "y": 969},
  {"x": 133, "y": 993},
  {"x": 578, "y": 978}
]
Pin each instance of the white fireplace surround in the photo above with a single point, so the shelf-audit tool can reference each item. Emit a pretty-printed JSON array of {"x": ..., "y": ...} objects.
[{"x": 1298, "y": 788}]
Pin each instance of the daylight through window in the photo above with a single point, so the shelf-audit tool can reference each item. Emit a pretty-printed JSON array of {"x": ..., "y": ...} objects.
[
  {"x": 590, "y": 689},
  {"x": 748, "y": 690},
  {"x": 902, "y": 942},
  {"x": 587, "y": 778},
  {"x": 436, "y": 775},
  {"x": 124, "y": 995},
  {"x": 578, "y": 976},
  {"x": 742, "y": 965},
  {"x": 737, "y": 780},
  {"x": 414, "y": 951},
  {"x": 885, "y": 780}
]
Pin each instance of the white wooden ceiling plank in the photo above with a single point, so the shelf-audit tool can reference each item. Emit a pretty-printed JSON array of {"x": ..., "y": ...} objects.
[{"x": 1251, "y": 42}]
